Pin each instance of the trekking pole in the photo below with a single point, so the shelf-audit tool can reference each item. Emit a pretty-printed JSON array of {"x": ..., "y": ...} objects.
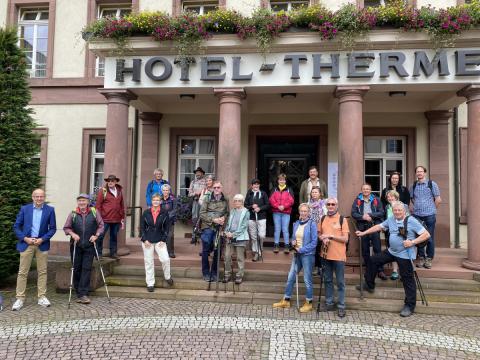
[
  {"x": 321, "y": 285},
  {"x": 101, "y": 272},
  {"x": 219, "y": 253},
  {"x": 360, "y": 259},
  {"x": 71, "y": 274},
  {"x": 195, "y": 232},
  {"x": 417, "y": 281},
  {"x": 295, "y": 257}
]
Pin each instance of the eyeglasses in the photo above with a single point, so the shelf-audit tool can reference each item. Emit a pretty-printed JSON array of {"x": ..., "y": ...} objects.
[{"x": 331, "y": 204}]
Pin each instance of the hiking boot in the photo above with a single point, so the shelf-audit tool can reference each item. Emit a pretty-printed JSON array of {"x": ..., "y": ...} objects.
[
  {"x": 227, "y": 278},
  {"x": 286, "y": 250},
  {"x": 330, "y": 307},
  {"x": 84, "y": 300},
  {"x": 428, "y": 263},
  {"x": 43, "y": 301},
  {"x": 172, "y": 255},
  {"x": 275, "y": 249},
  {"x": 394, "y": 276},
  {"x": 366, "y": 288},
  {"x": 420, "y": 262},
  {"x": 341, "y": 313},
  {"x": 17, "y": 305},
  {"x": 306, "y": 307},
  {"x": 238, "y": 280},
  {"x": 406, "y": 311},
  {"x": 170, "y": 282},
  {"x": 150, "y": 288},
  {"x": 256, "y": 257},
  {"x": 284, "y": 303},
  {"x": 382, "y": 275}
]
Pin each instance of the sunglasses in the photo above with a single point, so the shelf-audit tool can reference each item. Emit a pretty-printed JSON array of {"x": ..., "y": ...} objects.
[{"x": 331, "y": 204}]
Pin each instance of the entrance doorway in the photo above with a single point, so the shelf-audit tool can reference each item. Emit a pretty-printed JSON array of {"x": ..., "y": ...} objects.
[{"x": 291, "y": 155}]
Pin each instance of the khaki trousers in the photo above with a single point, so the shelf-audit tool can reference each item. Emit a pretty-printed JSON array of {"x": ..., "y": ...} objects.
[
  {"x": 240, "y": 251},
  {"x": 25, "y": 263}
]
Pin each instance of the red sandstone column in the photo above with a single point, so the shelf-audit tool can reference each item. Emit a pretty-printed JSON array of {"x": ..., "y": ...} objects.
[
  {"x": 149, "y": 153},
  {"x": 439, "y": 170},
  {"x": 350, "y": 150},
  {"x": 229, "y": 137},
  {"x": 116, "y": 145},
  {"x": 472, "y": 93}
]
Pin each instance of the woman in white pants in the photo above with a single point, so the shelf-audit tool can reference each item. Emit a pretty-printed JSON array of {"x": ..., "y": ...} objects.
[{"x": 155, "y": 226}]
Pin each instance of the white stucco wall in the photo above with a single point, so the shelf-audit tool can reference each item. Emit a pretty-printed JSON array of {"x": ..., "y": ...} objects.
[
  {"x": 155, "y": 5},
  {"x": 3, "y": 13},
  {"x": 69, "y": 48},
  {"x": 336, "y": 4},
  {"x": 437, "y": 3},
  {"x": 244, "y": 7}
]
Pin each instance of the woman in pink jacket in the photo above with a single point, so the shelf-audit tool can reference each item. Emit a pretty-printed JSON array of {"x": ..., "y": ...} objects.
[{"x": 281, "y": 202}]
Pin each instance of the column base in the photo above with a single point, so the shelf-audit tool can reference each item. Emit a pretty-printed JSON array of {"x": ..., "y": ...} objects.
[{"x": 471, "y": 265}]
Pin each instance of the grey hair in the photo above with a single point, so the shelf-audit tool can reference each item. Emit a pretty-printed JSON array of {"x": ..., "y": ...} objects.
[
  {"x": 305, "y": 205},
  {"x": 156, "y": 195},
  {"x": 166, "y": 186},
  {"x": 398, "y": 204},
  {"x": 158, "y": 170},
  {"x": 333, "y": 199},
  {"x": 239, "y": 197}
]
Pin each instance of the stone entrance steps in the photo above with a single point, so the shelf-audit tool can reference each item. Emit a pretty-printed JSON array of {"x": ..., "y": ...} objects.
[{"x": 445, "y": 296}]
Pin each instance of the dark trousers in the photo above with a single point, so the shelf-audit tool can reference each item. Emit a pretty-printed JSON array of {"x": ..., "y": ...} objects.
[
  {"x": 429, "y": 222},
  {"x": 114, "y": 228},
  {"x": 82, "y": 268},
  {"x": 208, "y": 242},
  {"x": 374, "y": 240},
  {"x": 406, "y": 273},
  {"x": 171, "y": 240}
]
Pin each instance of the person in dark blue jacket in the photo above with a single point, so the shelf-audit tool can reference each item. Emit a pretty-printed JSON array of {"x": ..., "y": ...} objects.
[
  {"x": 367, "y": 211},
  {"x": 34, "y": 227},
  {"x": 304, "y": 243}
]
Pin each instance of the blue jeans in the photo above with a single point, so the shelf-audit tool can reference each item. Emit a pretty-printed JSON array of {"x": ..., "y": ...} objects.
[
  {"x": 114, "y": 228},
  {"x": 339, "y": 267},
  {"x": 429, "y": 221},
  {"x": 281, "y": 222},
  {"x": 306, "y": 262},
  {"x": 208, "y": 242}
]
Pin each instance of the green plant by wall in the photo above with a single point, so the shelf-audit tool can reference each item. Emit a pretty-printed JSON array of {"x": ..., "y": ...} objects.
[{"x": 19, "y": 174}]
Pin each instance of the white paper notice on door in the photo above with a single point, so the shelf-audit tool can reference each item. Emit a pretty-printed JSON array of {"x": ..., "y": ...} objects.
[{"x": 332, "y": 179}]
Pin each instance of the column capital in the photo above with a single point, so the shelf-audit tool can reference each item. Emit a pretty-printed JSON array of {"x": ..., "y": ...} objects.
[
  {"x": 471, "y": 92},
  {"x": 439, "y": 116},
  {"x": 230, "y": 95},
  {"x": 150, "y": 117},
  {"x": 350, "y": 93},
  {"x": 118, "y": 96}
]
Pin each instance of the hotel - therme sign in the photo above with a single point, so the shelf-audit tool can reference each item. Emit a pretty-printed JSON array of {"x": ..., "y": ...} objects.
[{"x": 295, "y": 69}]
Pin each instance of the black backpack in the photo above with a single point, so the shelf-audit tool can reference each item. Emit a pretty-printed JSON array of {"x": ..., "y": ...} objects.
[{"x": 405, "y": 223}]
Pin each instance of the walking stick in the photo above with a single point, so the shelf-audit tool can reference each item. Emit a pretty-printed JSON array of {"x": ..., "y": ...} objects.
[
  {"x": 321, "y": 285},
  {"x": 101, "y": 272},
  {"x": 71, "y": 274},
  {"x": 360, "y": 259},
  {"x": 417, "y": 281},
  {"x": 219, "y": 253},
  {"x": 295, "y": 257}
]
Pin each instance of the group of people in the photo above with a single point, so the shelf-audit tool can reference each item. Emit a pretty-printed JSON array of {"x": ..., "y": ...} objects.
[{"x": 318, "y": 239}]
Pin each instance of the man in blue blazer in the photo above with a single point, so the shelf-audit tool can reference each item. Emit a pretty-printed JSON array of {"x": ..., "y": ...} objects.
[{"x": 34, "y": 227}]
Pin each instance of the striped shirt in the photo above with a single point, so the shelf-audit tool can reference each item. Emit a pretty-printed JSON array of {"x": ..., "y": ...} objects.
[{"x": 424, "y": 198}]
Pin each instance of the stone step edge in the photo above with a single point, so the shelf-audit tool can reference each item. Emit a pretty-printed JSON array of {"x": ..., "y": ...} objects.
[
  {"x": 278, "y": 287},
  {"x": 268, "y": 299}
]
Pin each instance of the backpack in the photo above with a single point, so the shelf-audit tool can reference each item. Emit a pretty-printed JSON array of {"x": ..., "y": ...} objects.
[
  {"x": 405, "y": 223},
  {"x": 430, "y": 186},
  {"x": 341, "y": 225}
]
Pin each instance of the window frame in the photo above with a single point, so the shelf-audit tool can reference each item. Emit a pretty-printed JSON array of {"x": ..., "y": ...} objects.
[
  {"x": 35, "y": 23},
  {"x": 289, "y": 4},
  {"x": 196, "y": 156},
  {"x": 190, "y": 4},
  {"x": 383, "y": 156},
  {"x": 93, "y": 157}
]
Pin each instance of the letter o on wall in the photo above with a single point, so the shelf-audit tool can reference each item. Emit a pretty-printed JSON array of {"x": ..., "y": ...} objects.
[{"x": 167, "y": 71}]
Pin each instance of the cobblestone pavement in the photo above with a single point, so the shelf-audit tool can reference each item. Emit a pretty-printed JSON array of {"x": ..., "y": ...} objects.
[{"x": 160, "y": 329}]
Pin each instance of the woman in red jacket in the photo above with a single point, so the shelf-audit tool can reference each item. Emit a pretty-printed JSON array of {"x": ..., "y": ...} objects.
[{"x": 281, "y": 202}]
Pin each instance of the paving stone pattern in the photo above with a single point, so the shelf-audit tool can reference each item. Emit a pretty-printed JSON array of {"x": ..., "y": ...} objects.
[{"x": 161, "y": 329}]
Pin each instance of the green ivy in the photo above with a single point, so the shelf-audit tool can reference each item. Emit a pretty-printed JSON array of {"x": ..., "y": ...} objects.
[{"x": 19, "y": 175}]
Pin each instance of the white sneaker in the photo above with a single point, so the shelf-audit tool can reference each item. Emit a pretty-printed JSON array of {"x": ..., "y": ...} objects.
[
  {"x": 43, "y": 301},
  {"x": 17, "y": 305}
]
